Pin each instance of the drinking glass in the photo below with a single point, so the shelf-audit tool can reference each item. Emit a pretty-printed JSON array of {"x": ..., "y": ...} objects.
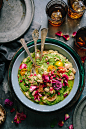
[
  {"x": 80, "y": 38},
  {"x": 76, "y": 8},
  {"x": 56, "y": 11}
]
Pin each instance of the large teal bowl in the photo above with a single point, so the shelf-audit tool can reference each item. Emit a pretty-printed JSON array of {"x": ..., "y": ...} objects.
[{"x": 62, "y": 48}]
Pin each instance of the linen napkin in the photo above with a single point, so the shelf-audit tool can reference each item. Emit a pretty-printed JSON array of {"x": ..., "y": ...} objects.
[{"x": 7, "y": 50}]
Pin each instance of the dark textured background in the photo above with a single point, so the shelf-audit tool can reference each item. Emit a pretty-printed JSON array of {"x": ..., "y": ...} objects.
[{"x": 37, "y": 120}]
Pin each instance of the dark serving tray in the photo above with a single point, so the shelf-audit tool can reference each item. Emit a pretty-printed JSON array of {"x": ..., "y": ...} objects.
[
  {"x": 15, "y": 18},
  {"x": 79, "y": 117}
]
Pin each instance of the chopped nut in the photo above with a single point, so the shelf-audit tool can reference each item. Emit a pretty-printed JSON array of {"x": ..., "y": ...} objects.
[
  {"x": 27, "y": 94},
  {"x": 33, "y": 92},
  {"x": 73, "y": 70},
  {"x": 40, "y": 81},
  {"x": 46, "y": 89},
  {"x": 45, "y": 97}
]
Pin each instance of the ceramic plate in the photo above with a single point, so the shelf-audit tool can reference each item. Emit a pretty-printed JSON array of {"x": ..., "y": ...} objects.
[
  {"x": 15, "y": 18},
  {"x": 79, "y": 117}
]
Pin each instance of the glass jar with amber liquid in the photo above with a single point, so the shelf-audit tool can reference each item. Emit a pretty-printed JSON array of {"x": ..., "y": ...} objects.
[
  {"x": 56, "y": 11},
  {"x": 76, "y": 8},
  {"x": 80, "y": 38}
]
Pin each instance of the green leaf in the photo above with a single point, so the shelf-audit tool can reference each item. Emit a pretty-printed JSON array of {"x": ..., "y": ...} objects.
[
  {"x": 69, "y": 72},
  {"x": 24, "y": 88}
]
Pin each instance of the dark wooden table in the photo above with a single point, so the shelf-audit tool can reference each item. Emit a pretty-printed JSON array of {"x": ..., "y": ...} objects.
[{"x": 36, "y": 120}]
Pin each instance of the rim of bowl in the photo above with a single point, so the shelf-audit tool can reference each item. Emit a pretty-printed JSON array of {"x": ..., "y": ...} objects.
[{"x": 57, "y": 106}]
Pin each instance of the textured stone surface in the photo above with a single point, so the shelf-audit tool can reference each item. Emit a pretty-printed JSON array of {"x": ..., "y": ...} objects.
[{"x": 37, "y": 120}]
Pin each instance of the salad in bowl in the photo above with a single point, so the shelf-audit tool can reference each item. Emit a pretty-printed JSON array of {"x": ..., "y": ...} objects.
[{"x": 53, "y": 78}]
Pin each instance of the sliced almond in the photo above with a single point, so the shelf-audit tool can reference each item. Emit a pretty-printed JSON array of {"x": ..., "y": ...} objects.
[{"x": 52, "y": 98}]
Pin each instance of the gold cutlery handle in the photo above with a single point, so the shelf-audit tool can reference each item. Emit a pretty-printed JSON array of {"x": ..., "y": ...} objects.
[{"x": 26, "y": 48}]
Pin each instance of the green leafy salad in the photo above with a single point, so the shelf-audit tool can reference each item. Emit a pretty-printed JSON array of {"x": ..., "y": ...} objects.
[{"x": 52, "y": 81}]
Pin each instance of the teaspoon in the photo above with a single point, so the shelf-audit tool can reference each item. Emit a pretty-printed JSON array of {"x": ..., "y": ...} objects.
[
  {"x": 43, "y": 37},
  {"x": 35, "y": 36},
  {"x": 27, "y": 50}
]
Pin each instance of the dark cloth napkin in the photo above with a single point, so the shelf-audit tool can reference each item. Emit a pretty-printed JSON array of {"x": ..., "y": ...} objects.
[{"x": 7, "y": 50}]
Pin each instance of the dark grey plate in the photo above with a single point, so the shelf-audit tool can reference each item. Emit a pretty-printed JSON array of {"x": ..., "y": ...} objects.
[
  {"x": 79, "y": 117},
  {"x": 29, "y": 103},
  {"x": 15, "y": 18}
]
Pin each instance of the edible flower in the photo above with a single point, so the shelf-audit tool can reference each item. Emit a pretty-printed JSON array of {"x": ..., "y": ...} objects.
[
  {"x": 83, "y": 59},
  {"x": 59, "y": 33},
  {"x": 12, "y": 110},
  {"x": 57, "y": 85},
  {"x": 65, "y": 95},
  {"x": 37, "y": 95},
  {"x": 40, "y": 89},
  {"x": 52, "y": 72},
  {"x": 71, "y": 127},
  {"x": 65, "y": 82},
  {"x": 53, "y": 80},
  {"x": 59, "y": 63},
  {"x": 32, "y": 88},
  {"x": 22, "y": 72},
  {"x": 45, "y": 78},
  {"x": 65, "y": 76},
  {"x": 51, "y": 77},
  {"x": 66, "y": 37},
  {"x": 18, "y": 117},
  {"x": 51, "y": 68},
  {"x": 61, "y": 123},
  {"x": 67, "y": 116},
  {"x": 45, "y": 72},
  {"x": 51, "y": 88},
  {"x": 22, "y": 66},
  {"x": 43, "y": 85},
  {"x": 61, "y": 69},
  {"x": 74, "y": 34},
  {"x": 8, "y": 103},
  {"x": 65, "y": 79},
  {"x": 49, "y": 74}
]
